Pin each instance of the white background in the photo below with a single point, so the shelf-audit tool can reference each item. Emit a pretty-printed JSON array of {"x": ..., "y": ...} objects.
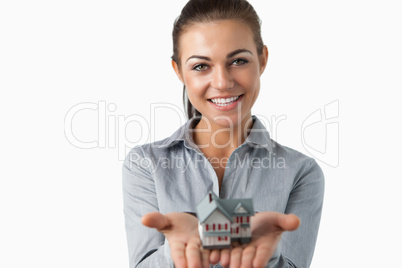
[{"x": 61, "y": 205}]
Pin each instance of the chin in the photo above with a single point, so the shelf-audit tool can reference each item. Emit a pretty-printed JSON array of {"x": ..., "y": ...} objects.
[{"x": 226, "y": 121}]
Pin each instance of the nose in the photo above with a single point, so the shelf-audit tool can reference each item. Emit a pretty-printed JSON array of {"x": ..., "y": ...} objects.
[{"x": 222, "y": 79}]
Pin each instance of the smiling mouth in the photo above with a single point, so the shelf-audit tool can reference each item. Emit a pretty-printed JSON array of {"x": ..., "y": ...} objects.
[{"x": 225, "y": 101}]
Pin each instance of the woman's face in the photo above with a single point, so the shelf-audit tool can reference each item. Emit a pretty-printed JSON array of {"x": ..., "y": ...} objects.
[{"x": 221, "y": 70}]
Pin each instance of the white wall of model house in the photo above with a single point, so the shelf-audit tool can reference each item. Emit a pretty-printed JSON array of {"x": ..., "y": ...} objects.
[
  {"x": 211, "y": 224},
  {"x": 218, "y": 222}
]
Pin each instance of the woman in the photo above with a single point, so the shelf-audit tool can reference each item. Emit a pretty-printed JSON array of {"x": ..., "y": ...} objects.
[{"x": 219, "y": 56}]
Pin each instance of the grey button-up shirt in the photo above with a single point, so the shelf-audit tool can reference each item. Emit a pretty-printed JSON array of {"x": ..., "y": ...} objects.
[{"x": 173, "y": 175}]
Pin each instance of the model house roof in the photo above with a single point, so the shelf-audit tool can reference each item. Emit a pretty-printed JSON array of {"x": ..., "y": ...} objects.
[{"x": 229, "y": 207}]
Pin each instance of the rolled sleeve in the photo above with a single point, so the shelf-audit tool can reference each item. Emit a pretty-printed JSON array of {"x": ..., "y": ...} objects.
[
  {"x": 305, "y": 201},
  {"x": 146, "y": 246}
]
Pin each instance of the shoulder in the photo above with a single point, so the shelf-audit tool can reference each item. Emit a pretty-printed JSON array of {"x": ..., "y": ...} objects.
[
  {"x": 290, "y": 154},
  {"x": 153, "y": 150},
  {"x": 301, "y": 164},
  {"x": 140, "y": 164},
  {"x": 165, "y": 148}
]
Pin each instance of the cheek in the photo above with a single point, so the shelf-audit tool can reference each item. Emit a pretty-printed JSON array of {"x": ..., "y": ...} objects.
[
  {"x": 249, "y": 81},
  {"x": 196, "y": 85}
]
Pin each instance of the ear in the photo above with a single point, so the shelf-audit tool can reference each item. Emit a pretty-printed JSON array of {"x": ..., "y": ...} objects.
[
  {"x": 263, "y": 59},
  {"x": 177, "y": 71}
]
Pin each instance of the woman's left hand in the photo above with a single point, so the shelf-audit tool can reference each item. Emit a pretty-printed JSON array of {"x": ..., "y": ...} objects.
[{"x": 267, "y": 229}]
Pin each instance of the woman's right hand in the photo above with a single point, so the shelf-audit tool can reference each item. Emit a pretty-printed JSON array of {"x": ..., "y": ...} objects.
[{"x": 181, "y": 230}]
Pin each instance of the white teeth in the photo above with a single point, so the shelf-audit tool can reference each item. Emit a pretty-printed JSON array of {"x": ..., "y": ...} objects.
[{"x": 224, "y": 101}]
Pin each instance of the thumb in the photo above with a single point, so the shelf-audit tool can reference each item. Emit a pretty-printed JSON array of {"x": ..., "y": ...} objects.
[
  {"x": 289, "y": 222},
  {"x": 155, "y": 220},
  {"x": 285, "y": 222}
]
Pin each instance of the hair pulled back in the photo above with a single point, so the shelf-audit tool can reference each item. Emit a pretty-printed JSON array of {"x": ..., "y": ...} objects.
[{"x": 201, "y": 11}]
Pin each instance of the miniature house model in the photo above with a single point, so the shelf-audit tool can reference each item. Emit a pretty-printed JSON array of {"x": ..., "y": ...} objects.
[{"x": 222, "y": 221}]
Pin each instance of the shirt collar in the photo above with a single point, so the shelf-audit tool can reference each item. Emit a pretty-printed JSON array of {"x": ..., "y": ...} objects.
[
  {"x": 258, "y": 137},
  {"x": 183, "y": 134}
]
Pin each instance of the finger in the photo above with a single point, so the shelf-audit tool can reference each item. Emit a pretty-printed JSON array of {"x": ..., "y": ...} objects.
[
  {"x": 177, "y": 250},
  {"x": 262, "y": 255},
  {"x": 193, "y": 254},
  {"x": 225, "y": 257},
  {"x": 247, "y": 256},
  {"x": 215, "y": 256},
  {"x": 205, "y": 257},
  {"x": 235, "y": 257},
  {"x": 155, "y": 220}
]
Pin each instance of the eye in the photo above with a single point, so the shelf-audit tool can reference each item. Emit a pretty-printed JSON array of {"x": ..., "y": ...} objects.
[
  {"x": 200, "y": 67},
  {"x": 239, "y": 61}
]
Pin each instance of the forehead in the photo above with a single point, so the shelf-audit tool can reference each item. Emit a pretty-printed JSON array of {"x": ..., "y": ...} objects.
[{"x": 215, "y": 38}]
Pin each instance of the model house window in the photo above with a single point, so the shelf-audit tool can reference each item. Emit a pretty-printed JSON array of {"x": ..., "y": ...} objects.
[
  {"x": 237, "y": 230},
  {"x": 248, "y": 219},
  {"x": 213, "y": 226},
  {"x": 226, "y": 238},
  {"x": 226, "y": 226},
  {"x": 219, "y": 238},
  {"x": 219, "y": 226},
  {"x": 206, "y": 227}
]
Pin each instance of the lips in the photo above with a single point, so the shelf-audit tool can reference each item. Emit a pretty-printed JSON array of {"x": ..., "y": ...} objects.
[
  {"x": 222, "y": 102},
  {"x": 226, "y": 103}
]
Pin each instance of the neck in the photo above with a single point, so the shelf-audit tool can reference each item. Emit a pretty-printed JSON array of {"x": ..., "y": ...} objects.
[{"x": 209, "y": 134}]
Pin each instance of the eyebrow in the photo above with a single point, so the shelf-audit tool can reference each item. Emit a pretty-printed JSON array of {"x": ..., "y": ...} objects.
[{"x": 231, "y": 54}]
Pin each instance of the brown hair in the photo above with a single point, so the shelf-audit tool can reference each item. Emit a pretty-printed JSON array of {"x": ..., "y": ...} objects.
[{"x": 199, "y": 11}]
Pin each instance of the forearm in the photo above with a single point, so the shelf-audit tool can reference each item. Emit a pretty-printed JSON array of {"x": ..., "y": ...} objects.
[
  {"x": 146, "y": 247},
  {"x": 278, "y": 260},
  {"x": 305, "y": 201},
  {"x": 159, "y": 257}
]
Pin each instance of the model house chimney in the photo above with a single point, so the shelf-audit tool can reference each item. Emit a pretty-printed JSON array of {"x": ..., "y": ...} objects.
[{"x": 210, "y": 197}]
